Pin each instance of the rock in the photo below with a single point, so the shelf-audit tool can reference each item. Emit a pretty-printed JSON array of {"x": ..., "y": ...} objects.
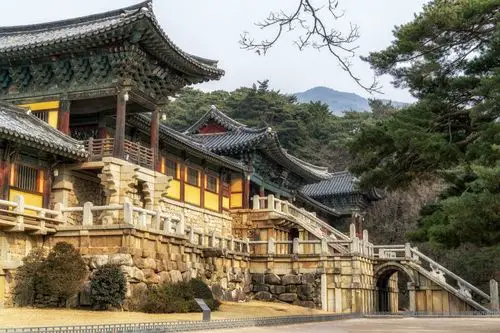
[
  {"x": 217, "y": 291},
  {"x": 150, "y": 276},
  {"x": 291, "y": 279},
  {"x": 164, "y": 277},
  {"x": 181, "y": 266},
  {"x": 133, "y": 274},
  {"x": 306, "y": 304},
  {"x": 288, "y": 297},
  {"x": 175, "y": 276},
  {"x": 212, "y": 252},
  {"x": 137, "y": 289},
  {"x": 258, "y": 278},
  {"x": 279, "y": 289},
  {"x": 145, "y": 263},
  {"x": 263, "y": 296},
  {"x": 308, "y": 278},
  {"x": 121, "y": 259},
  {"x": 272, "y": 279},
  {"x": 98, "y": 260},
  {"x": 292, "y": 288},
  {"x": 260, "y": 287},
  {"x": 306, "y": 289}
]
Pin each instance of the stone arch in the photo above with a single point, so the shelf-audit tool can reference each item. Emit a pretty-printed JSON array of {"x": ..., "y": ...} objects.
[{"x": 382, "y": 276}]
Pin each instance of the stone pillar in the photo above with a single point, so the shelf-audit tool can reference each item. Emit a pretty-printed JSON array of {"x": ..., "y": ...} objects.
[
  {"x": 494, "y": 303},
  {"x": 119, "y": 140},
  {"x": 324, "y": 292},
  {"x": 412, "y": 297},
  {"x": 154, "y": 135},
  {"x": 63, "y": 116}
]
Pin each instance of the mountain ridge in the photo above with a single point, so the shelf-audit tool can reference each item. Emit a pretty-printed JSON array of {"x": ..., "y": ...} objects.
[{"x": 339, "y": 101}]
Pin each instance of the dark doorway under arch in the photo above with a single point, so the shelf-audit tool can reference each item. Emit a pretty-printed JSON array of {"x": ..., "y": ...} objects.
[
  {"x": 293, "y": 233},
  {"x": 387, "y": 290}
]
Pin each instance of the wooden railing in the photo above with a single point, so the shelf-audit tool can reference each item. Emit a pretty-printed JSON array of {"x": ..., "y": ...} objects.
[{"x": 134, "y": 152}]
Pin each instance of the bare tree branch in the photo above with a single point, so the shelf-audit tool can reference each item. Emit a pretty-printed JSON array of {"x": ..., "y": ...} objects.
[{"x": 314, "y": 32}]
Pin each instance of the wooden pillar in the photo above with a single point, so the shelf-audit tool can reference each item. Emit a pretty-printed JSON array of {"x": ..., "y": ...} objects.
[
  {"x": 47, "y": 187},
  {"x": 182, "y": 171},
  {"x": 63, "y": 116},
  {"x": 119, "y": 140},
  {"x": 202, "y": 185},
  {"x": 4, "y": 179},
  {"x": 262, "y": 192},
  {"x": 246, "y": 192},
  {"x": 154, "y": 134},
  {"x": 102, "y": 131},
  {"x": 220, "y": 185}
]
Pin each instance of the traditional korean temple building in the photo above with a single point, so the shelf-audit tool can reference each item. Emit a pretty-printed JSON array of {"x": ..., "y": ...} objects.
[{"x": 85, "y": 159}]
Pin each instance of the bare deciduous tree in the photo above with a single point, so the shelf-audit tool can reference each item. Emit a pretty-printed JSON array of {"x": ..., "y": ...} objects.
[{"x": 315, "y": 30}]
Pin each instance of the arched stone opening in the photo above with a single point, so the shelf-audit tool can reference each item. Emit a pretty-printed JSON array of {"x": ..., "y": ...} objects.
[{"x": 388, "y": 291}]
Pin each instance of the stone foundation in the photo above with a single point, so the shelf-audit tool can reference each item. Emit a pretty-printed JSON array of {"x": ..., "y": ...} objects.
[{"x": 298, "y": 289}]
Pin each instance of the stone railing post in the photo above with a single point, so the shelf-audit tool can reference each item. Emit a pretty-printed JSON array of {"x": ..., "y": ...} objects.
[
  {"x": 128, "y": 213},
  {"x": 231, "y": 243},
  {"x": 180, "y": 226},
  {"x": 494, "y": 302},
  {"x": 286, "y": 206},
  {"x": 167, "y": 224},
  {"x": 365, "y": 235},
  {"x": 88, "y": 218},
  {"x": 355, "y": 245},
  {"x": 296, "y": 246},
  {"x": 256, "y": 202},
  {"x": 143, "y": 220},
  {"x": 271, "y": 246},
  {"x": 157, "y": 220},
  {"x": 191, "y": 236},
  {"x": 270, "y": 202},
  {"x": 324, "y": 246},
  {"x": 19, "y": 200},
  {"x": 407, "y": 250},
  {"x": 58, "y": 207},
  {"x": 247, "y": 244},
  {"x": 352, "y": 230}
]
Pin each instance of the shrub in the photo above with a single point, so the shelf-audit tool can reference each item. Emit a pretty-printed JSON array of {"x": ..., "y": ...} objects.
[
  {"x": 63, "y": 272},
  {"x": 107, "y": 287},
  {"x": 28, "y": 278},
  {"x": 178, "y": 297}
]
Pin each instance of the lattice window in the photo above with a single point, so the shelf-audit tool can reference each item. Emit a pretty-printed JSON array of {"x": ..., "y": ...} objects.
[
  {"x": 43, "y": 115},
  {"x": 192, "y": 176},
  {"x": 171, "y": 168},
  {"x": 28, "y": 178},
  {"x": 211, "y": 183}
]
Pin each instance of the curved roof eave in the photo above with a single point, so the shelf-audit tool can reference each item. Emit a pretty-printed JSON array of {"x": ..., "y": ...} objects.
[{"x": 61, "y": 34}]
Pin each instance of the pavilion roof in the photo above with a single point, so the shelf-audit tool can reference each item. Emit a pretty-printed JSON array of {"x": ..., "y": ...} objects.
[
  {"x": 19, "y": 125},
  {"x": 239, "y": 137},
  {"x": 339, "y": 183},
  {"x": 135, "y": 24}
]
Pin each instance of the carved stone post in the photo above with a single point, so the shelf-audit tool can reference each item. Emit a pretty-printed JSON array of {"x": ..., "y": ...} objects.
[
  {"x": 255, "y": 202},
  {"x": 88, "y": 218},
  {"x": 271, "y": 246},
  {"x": 119, "y": 140},
  {"x": 296, "y": 246},
  {"x": 494, "y": 303}
]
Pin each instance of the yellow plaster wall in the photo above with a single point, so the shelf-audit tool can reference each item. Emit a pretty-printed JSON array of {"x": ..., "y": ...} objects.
[
  {"x": 174, "y": 190},
  {"x": 211, "y": 201},
  {"x": 192, "y": 194},
  {"x": 236, "y": 198},
  {"x": 52, "y": 107},
  {"x": 225, "y": 202},
  {"x": 31, "y": 199},
  {"x": 237, "y": 185}
]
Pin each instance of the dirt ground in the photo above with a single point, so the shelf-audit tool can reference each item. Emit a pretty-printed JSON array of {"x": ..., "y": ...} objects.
[
  {"x": 29, "y": 317},
  {"x": 413, "y": 325}
]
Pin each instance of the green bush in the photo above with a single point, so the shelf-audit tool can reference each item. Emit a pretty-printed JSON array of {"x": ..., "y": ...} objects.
[
  {"x": 107, "y": 287},
  {"x": 51, "y": 280},
  {"x": 28, "y": 278},
  {"x": 178, "y": 297}
]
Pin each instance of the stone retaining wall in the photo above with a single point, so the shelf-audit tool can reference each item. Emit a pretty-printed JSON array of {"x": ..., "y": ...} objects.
[{"x": 299, "y": 289}]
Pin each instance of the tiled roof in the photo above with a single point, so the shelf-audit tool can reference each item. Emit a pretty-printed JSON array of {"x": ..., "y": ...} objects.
[
  {"x": 136, "y": 23},
  {"x": 195, "y": 146},
  {"x": 340, "y": 183},
  {"x": 220, "y": 118},
  {"x": 16, "y": 124},
  {"x": 239, "y": 138}
]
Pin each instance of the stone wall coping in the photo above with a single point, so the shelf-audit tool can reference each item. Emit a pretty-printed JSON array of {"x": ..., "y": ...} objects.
[{"x": 197, "y": 209}]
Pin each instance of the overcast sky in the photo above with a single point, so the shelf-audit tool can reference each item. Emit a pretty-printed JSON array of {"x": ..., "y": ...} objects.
[{"x": 211, "y": 29}]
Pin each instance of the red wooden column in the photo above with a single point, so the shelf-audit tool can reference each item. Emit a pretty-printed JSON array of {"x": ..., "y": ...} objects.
[
  {"x": 246, "y": 191},
  {"x": 119, "y": 140},
  {"x": 4, "y": 178},
  {"x": 63, "y": 116},
  {"x": 154, "y": 135}
]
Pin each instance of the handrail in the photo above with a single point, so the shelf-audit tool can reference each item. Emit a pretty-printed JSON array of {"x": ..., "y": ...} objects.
[
  {"x": 461, "y": 282},
  {"x": 133, "y": 151}
]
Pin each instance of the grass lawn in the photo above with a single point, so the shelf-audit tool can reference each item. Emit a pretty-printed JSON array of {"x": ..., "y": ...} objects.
[{"x": 29, "y": 317}]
